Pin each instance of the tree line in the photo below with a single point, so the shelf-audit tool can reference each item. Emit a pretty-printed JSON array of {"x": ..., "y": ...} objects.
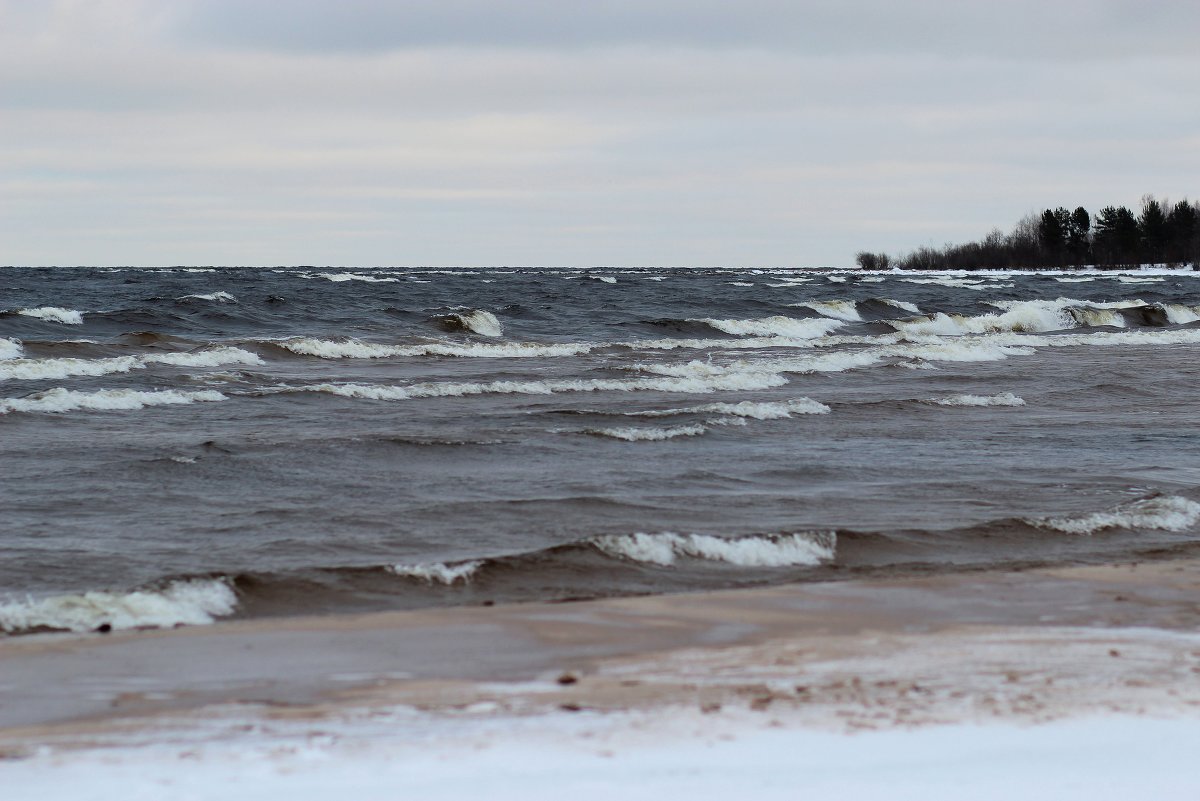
[{"x": 1162, "y": 233}]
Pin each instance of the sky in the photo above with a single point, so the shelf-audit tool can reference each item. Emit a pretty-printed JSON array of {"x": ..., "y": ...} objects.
[{"x": 761, "y": 133}]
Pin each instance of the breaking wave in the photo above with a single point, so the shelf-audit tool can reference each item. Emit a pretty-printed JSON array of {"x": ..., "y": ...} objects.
[
  {"x": 1161, "y": 512},
  {"x": 50, "y": 369},
  {"x": 1028, "y": 316},
  {"x": 217, "y": 297},
  {"x": 764, "y": 410},
  {"x": 54, "y": 314},
  {"x": 730, "y": 380},
  {"x": 844, "y": 310},
  {"x": 648, "y": 434},
  {"x": 355, "y": 349},
  {"x": 776, "y": 326},
  {"x": 190, "y": 602},
  {"x": 439, "y": 572},
  {"x": 10, "y": 349},
  {"x": 343, "y": 277},
  {"x": 1003, "y": 399},
  {"x": 66, "y": 400},
  {"x": 779, "y": 550},
  {"x": 477, "y": 321}
]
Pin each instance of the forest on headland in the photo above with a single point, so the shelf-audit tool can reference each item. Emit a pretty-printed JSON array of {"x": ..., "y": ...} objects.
[{"x": 1162, "y": 233}]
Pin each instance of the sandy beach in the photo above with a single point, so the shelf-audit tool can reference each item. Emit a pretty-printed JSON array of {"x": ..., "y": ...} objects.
[{"x": 1037, "y": 650}]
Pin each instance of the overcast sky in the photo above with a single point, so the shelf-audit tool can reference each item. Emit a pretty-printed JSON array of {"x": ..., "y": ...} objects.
[{"x": 558, "y": 133}]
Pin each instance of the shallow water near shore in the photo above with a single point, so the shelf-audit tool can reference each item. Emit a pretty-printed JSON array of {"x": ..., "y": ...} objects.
[{"x": 184, "y": 445}]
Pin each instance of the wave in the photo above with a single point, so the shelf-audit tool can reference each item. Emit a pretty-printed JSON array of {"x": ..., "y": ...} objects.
[
  {"x": 648, "y": 434},
  {"x": 844, "y": 310},
  {"x": 189, "y": 601},
  {"x": 54, "y": 314},
  {"x": 1026, "y": 316},
  {"x": 1003, "y": 399},
  {"x": 343, "y": 277},
  {"x": 218, "y": 297},
  {"x": 730, "y": 380},
  {"x": 1160, "y": 512},
  {"x": 899, "y": 304},
  {"x": 52, "y": 369},
  {"x": 66, "y": 400},
  {"x": 439, "y": 572},
  {"x": 1181, "y": 315},
  {"x": 776, "y": 326},
  {"x": 765, "y": 410},
  {"x": 476, "y": 321},
  {"x": 10, "y": 349},
  {"x": 777, "y": 550},
  {"x": 355, "y": 349}
]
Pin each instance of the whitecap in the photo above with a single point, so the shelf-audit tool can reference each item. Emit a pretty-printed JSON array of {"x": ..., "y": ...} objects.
[
  {"x": 192, "y": 602},
  {"x": 479, "y": 321},
  {"x": 342, "y": 277},
  {"x": 844, "y": 310},
  {"x": 1162, "y": 513},
  {"x": 776, "y": 326},
  {"x": 54, "y": 314},
  {"x": 66, "y": 400},
  {"x": 218, "y": 297},
  {"x": 356, "y": 349},
  {"x": 10, "y": 349},
  {"x": 664, "y": 549},
  {"x": 53, "y": 369},
  {"x": 728, "y": 380},
  {"x": 1003, "y": 399},
  {"x": 439, "y": 572},
  {"x": 648, "y": 434},
  {"x": 901, "y": 304},
  {"x": 768, "y": 410}
]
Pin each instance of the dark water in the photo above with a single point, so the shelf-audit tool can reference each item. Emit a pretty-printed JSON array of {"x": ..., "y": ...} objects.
[{"x": 182, "y": 445}]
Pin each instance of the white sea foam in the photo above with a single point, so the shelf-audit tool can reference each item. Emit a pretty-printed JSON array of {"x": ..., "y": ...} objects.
[
  {"x": 1129, "y": 279},
  {"x": 1030, "y": 316},
  {"x": 1003, "y": 399},
  {"x": 844, "y": 310},
  {"x": 355, "y": 349},
  {"x": 1082, "y": 279},
  {"x": 342, "y": 277},
  {"x": 10, "y": 349},
  {"x": 54, "y": 314},
  {"x": 731, "y": 380},
  {"x": 439, "y": 572},
  {"x": 608, "y": 279},
  {"x": 1163, "y": 513},
  {"x": 776, "y": 326},
  {"x": 960, "y": 283},
  {"x": 66, "y": 400},
  {"x": 740, "y": 283},
  {"x": 648, "y": 434},
  {"x": 52, "y": 369},
  {"x": 901, "y": 304},
  {"x": 210, "y": 357},
  {"x": 479, "y": 321},
  {"x": 193, "y": 602},
  {"x": 759, "y": 551},
  {"x": 218, "y": 297},
  {"x": 766, "y": 410},
  {"x": 1181, "y": 315}
]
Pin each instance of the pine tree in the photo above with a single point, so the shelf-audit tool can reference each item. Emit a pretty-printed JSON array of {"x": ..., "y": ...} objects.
[{"x": 1152, "y": 227}]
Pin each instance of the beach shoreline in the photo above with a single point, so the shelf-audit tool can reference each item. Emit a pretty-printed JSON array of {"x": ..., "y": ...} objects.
[{"x": 840, "y": 647}]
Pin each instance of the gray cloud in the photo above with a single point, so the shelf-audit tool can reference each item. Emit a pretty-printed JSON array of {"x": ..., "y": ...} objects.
[
  {"x": 459, "y": 132},
  {"x": 1089, "y": 29}
]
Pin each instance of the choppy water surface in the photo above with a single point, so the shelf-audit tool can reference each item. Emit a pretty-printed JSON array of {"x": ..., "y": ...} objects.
[{"x": 182, "y": 445}]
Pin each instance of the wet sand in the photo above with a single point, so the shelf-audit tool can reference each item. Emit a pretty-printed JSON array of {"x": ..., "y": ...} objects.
[{"x": 1037, "y": 644}]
